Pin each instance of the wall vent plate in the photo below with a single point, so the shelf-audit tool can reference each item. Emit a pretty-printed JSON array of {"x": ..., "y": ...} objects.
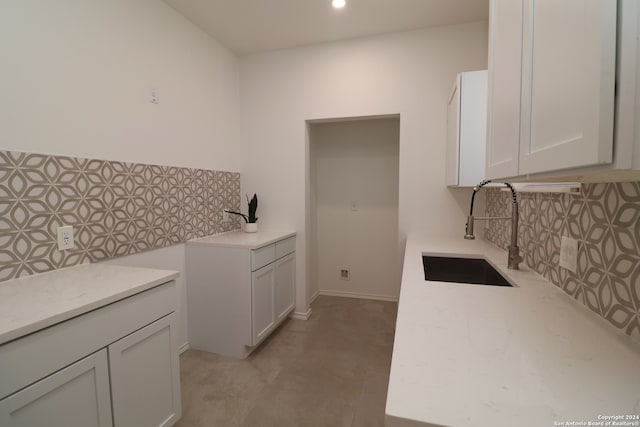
[{"x": 345, "y": 274}]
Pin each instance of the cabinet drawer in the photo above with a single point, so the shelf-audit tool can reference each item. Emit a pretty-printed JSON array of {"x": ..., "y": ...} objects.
[
  {"x": 285, "y": 247},
  {"x": 263, "y": 256}
]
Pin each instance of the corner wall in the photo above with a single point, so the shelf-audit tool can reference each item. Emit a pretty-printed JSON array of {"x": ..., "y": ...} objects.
[
  {"x": 77, "y": 78},
  {"x": 409, "y": 74}
]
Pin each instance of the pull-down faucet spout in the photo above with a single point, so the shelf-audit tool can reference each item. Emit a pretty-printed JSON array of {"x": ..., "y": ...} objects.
[{"x": 514, "y": 259}]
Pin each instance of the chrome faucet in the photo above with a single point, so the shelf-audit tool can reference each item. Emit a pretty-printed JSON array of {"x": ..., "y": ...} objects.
[{"x": 514, "y": 259}]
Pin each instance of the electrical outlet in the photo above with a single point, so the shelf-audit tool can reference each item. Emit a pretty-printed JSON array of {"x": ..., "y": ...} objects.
[
  {"x": 345, "y": 274},
  {"x": 65, "y": 238},
  {"x": 225, "y": 215},
  {"x": 154, "y": 96},
  {"x": 569, "y": 254}
]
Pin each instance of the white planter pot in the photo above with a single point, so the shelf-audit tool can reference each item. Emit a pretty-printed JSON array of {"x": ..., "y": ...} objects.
[{"x": 250, "y": 227}]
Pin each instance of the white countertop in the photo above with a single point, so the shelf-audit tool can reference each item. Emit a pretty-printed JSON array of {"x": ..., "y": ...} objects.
[
  {"x": 32, "y": 303},
  {"x": 240, "y": 239},
  {"x": 473, "y": 355}
]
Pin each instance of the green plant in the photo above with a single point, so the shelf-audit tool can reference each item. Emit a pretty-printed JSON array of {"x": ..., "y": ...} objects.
[{"x": 253, "y": 207}]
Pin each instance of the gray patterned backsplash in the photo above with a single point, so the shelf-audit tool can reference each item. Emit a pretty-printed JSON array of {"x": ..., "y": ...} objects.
[
  {"x": 116, "y": 208},
  {"x": 605, "y": 219}
]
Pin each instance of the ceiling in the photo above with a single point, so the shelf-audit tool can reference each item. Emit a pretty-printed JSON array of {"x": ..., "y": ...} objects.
[{"x": 249, "y": 26}]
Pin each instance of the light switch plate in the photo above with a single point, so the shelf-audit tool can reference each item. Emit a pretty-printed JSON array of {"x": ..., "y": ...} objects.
[
  {"x": 65, "y": 238},
  {"x": 569, "y": 254}
]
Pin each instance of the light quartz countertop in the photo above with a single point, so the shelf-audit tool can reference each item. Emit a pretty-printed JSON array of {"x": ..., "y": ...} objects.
[
  {"x": 240, "y": 239},
  {"x": 474, "y": 355},
  {"x": 36, "y": 302}
]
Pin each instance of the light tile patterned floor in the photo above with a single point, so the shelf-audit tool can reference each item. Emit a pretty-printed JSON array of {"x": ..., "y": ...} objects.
[{"x": 331, "y": 370}]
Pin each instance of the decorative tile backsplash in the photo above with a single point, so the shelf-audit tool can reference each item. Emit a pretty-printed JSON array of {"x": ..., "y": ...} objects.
[
  {"x": 605, "y": 219},
  {"x": 116, "y": 208}
]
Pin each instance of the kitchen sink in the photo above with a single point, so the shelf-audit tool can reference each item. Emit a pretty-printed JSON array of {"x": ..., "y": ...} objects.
[{"x": 475, "y": 271}]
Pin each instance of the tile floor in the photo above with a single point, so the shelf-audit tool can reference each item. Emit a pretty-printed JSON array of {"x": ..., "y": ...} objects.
[{"x": 331, "y": 370}]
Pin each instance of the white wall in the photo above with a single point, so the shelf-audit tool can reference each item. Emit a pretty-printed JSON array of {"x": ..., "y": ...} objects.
[
  {"x": 76, "y": 79},
  {"x": 404, "y": 73},
  {"x": 356, "y": 162}
]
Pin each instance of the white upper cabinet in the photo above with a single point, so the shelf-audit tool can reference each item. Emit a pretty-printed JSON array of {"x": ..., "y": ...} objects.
[
  {"x": 568, "y": 77},
  {"x": 453, "y": 135},
  {"x": 505, "y": 65},
  {"x": 552, "y": 81},
  {"x": 467, "y": 129}
]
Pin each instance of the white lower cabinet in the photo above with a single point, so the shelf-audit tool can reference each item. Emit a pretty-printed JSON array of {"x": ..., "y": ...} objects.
[
  {"x": 262, "y": 303},
  {"x": 114, "y": 366},
  {"x": 284, "y": 293},
  {"x": 238, "y": 292},
  {"x": 77, "y": 395},
  {"x": 145, "y": 382},
  {"x": 272, "y": 295}
]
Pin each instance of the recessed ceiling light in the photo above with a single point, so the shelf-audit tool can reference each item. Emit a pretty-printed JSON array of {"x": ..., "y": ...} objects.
[{"x": 338, "y": 4}]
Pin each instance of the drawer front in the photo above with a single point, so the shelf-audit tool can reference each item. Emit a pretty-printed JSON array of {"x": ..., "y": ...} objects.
[
  {"x": 285, "y": 247},
  {"x": 263, "y": 256},
  {"x": 53, "y": 348}
]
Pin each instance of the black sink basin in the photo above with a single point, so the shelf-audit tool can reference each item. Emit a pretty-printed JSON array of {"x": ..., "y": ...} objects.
[{"x": 474, "y": 271}]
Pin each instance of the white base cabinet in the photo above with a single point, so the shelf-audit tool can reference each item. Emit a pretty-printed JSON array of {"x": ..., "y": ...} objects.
[
  {"x": 262, "y": 302},
  {"x": 238, "y": 294},
  {"x": 145, "y": 382},
  {"x": 78, "y": 395},
  {"x": 272, "y": 295},
  {"x": 285, "y": 290},
  {"x": 114, "y": 366}
]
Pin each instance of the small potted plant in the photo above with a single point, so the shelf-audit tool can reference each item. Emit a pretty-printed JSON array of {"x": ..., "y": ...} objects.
[{"x": 251, "y": 220}]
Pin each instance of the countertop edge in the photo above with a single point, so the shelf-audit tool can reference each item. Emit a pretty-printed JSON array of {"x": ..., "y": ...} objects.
[
  {"x": 201, "y": 241},
  {"x": 38, "y": 325}
]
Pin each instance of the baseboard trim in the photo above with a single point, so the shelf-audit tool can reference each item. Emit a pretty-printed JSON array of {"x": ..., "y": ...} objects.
[
  {"x": 301, "y": 316},
  {"x": 314, "y": 296},
  {"x": 184, "y": 347},
  {"x": 359, "y": 295}
]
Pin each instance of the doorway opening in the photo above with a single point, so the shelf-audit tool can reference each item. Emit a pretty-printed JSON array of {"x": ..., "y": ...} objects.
[{"x": 352, "y": 208}]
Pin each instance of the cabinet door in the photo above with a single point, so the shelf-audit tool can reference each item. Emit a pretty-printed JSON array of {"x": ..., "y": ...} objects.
[
  {"x": 473, "y": 128},
  {"x": 505, "y": 62},
  {"x": 453, "y": 135},
  {"x": 262, "y": 310},
  {"x": 285, "y": 288},
  {"x": 145, "y": 379},
  {"x": 77, "y": 395},
  {"x": 568, "y": 76}
]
